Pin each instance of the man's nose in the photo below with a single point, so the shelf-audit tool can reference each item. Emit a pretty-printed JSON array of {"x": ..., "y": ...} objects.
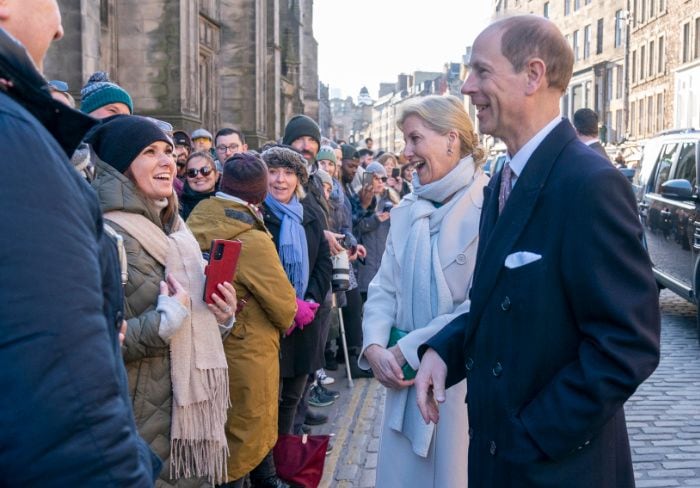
[{"x": 467, "y": 86}]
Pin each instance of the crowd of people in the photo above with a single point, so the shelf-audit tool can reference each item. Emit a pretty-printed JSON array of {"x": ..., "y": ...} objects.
[{"x": 121, "y": 373}]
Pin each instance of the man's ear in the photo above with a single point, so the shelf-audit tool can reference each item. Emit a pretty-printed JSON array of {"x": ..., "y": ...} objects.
[{"x": 536, "y": 71}]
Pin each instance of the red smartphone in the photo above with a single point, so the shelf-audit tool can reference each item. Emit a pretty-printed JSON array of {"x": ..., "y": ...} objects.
[{"x": 223, "y": 258}]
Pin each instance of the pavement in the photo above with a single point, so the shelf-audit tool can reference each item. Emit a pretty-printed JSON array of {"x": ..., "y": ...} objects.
[{"x": 663, "y": 416}]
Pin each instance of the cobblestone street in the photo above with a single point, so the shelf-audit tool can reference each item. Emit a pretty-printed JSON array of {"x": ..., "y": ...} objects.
[{"x": 663, "y": 417}]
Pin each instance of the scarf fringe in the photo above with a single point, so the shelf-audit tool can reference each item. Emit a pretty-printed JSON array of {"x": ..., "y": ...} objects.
[{"x": 201, "y": 450}]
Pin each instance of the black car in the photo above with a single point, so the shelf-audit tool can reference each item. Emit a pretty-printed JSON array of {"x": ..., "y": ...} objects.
[{"x": 669, "y": 207}]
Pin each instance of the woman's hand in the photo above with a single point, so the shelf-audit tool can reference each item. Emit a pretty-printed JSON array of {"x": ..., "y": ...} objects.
[
  {"x": 395, "y": 183},
  {"x": 385, "y": 366},
  {"x": 366, "y": 195},
  {"x": 224, "y": 306},
  {"x": 122, "y": 333},
  {"x": 172, "y": 288},
  {"x": 383, "y": 216}
]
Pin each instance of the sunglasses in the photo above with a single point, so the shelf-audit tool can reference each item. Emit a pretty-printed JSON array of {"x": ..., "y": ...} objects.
[{"x": 205, "y": 171}]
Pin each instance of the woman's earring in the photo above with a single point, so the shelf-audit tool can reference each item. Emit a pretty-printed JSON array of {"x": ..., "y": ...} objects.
[{"x": 449, "y": 150}]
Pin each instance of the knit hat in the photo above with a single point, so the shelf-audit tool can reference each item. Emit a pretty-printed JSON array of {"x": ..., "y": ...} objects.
[
  {"x": 100, "y": 91},
  {"x": 245, "y": 177},
  {"x": 326, "y": 153},
  {"x": 376, "y": 168},
  {"x": 181, "y": 138},
  {"x": 285, "y": 157},
  {"x": 299, "y": 126},
  {"x": 349, "y": 152},
  {"x": 324, "y": 177},
  {"x": 202, "y": 133},
  {"x": 118, "y": 140}
]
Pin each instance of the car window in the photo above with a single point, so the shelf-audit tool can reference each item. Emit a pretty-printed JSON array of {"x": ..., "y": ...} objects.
[
  {"x": 647, "y": 163},
  {"x": 663, "y": 169},
  {"x": 685, "y": 167}
]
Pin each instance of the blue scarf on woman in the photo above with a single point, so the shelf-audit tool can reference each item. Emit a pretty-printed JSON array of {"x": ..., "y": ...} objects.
[{"x": 293, "y": 248}]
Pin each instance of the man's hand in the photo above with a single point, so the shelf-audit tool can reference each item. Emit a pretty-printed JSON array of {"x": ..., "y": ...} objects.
[
  {"x": 385, "y": 367},
  {"x": 361, "y": 251},
  {"x": 333, "y": 243},
  {"x": 430, "y": 385}
]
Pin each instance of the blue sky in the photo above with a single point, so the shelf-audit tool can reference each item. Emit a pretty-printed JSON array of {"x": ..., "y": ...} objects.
[{"x": 365, "y": 42}]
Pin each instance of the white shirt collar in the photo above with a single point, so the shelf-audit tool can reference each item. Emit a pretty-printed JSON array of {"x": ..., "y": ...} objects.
[
  {"x": 520, "y": 159},
  {"x": 591, "y": 142},
  {"x": 226, "y": 196}
]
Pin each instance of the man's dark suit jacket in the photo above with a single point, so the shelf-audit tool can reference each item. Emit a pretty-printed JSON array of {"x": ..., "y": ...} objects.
[
  {"x": 598, "y": 147},
  {"x": 551, "y": 350}
]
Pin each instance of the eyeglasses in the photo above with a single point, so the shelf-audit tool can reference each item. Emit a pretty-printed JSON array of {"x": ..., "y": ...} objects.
[
  {"x": 230, "y": 147},
  {"x": 201, "y": 139},
  {"x": 205, "y": 171}
]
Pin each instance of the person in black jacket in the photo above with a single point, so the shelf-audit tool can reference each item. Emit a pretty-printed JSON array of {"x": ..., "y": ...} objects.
[
  {"x": 200, "y": 181},
  {"x": 297, "y": 229},
  {"x": 65, "y": 418}
]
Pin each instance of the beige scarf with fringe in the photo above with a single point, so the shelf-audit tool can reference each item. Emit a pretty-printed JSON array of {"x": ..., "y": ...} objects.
[{"x": 198, "y": 366}]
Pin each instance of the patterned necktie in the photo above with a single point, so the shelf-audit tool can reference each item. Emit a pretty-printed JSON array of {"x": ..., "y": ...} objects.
[{"x": 506, "y": 186}]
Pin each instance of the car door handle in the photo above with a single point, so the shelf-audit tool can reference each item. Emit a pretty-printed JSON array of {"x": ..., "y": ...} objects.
[{"x": 665, "y": 213}]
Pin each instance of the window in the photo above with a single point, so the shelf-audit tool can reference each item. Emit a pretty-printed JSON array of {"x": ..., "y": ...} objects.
[
  {"x": 650, "y": 111},
  {"x": 575, "y": 45},
  {"x": 685, "y": 49},
  {"x": 640, "y": 119},
  {"x": 618, "y": 28},
  {"x": 588, "y": 2},
  {"x": 660, "y": 112},
  {"x": 587, "y": 41},
  {"x": 634, "y": 15},
  {"x": 599, "y": 38},
  {"x": 577, "y": 4},
  {"x": 697, "y": 38},
  {"x": 619, "y": 82},
  {"x": 662, "y": 6},
  {"x": 633, "y": 119},
  {"x": 634, "y": 66},
  {"x": 618, "y": 125},
  {"x": 641, "y": 62},
  {"x": 545, "y": 10},
  {"x": 652, "y": 12},
  {"x": 652, "y": 65},
  {"x": 661, "y": 69},
  {"x": 608, "y": 84},
  {"x": 567, "y": 7},
  {"x": 642, "y": 10},
  {"x": 685, "y": 167},
  {"x": 666, "y": 157}
]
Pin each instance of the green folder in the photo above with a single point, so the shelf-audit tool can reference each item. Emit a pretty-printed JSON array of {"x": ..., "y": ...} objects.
[{"x": 408, "y": 372}]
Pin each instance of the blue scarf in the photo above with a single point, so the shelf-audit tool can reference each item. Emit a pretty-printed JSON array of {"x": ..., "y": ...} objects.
[{"x": 293, "y": 248}]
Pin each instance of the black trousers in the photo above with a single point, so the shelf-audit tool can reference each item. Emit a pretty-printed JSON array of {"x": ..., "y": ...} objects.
[
  {"x": 291, "y": 392},
  {"x": 352, "y": 319}
]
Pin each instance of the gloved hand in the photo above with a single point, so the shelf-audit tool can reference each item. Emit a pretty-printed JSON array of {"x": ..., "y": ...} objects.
[{"x": 306, "y": 311}]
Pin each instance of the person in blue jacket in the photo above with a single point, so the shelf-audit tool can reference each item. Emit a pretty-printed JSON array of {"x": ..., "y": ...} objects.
[{"x": 65, "y": 416}]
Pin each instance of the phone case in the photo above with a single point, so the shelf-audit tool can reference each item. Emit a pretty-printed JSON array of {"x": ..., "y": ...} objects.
[
  {"x": 223, "y": 258},
  {"x": 367, "y": 179}
]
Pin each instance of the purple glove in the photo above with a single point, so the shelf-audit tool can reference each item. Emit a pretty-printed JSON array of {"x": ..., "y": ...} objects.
[{"x": 306, "y": 311}]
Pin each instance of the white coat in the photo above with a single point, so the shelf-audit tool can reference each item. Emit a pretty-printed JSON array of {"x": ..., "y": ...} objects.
[{"x": 411, "y": 453}]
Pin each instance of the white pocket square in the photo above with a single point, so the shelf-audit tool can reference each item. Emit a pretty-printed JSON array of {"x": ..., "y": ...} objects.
[{"x": 521, "y": 258}]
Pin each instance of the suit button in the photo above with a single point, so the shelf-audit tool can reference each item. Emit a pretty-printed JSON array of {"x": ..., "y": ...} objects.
[
  {"x": 118, "y": 317},
  {"x": 461, "y": 258},
  {"x": 469, "y": 364},
  {"x": 497, "y": 370},
  {"x": 492, "y": 448},
  {"x": 505, "y": 304}
]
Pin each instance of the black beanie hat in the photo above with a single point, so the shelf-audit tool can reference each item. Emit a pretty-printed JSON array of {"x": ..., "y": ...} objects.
[
  {"x": 245, "y": 177},
  {"x": 349, "y": 152},
  {"x": 299, "y": 126},
  {"x": 119, "y": 139}
]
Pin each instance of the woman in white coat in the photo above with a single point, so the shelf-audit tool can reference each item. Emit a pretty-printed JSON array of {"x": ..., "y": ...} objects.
[{"x": 423, "y": 283}]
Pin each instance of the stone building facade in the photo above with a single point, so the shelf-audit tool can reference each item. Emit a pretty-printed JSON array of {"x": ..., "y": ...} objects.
[{"x": 250, "y": 64}]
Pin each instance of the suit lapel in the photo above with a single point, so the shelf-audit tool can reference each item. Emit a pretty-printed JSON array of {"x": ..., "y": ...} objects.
[{"x": 501, "y": 232}]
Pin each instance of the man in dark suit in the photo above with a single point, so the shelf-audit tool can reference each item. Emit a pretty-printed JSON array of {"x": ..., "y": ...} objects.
[
  {"x": 564, "y": 318},
  {"x": 586, "y": 125}
]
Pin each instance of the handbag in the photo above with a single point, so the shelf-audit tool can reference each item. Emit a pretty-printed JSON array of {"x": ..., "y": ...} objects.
[
  {"x": 299, "y": 459},
  {"x": 408, "y": 372}
]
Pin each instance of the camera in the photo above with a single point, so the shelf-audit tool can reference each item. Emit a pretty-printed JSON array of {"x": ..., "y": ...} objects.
[{"x": 387, "y": 206}]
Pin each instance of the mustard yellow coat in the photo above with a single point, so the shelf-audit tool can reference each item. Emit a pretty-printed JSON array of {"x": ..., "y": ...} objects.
[{"x": 252, "y": 348}]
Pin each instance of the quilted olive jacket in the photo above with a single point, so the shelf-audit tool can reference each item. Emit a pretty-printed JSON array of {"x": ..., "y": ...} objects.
[{"x": 146, "y": 355}]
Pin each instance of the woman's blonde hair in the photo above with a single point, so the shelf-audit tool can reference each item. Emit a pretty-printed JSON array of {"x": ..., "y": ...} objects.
[
  {"x": 443, "y": 114},
  {"x": 386, "y": 157}
]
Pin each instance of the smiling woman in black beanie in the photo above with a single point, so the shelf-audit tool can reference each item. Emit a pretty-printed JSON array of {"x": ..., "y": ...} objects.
[{"x": 172, "y": 349}]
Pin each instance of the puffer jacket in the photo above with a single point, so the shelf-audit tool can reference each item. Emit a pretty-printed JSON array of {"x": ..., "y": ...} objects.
[
  {"x": 252, "y": 349},
  {"x": 146, "y": 355},
  {"x": 372, "y": 233}
]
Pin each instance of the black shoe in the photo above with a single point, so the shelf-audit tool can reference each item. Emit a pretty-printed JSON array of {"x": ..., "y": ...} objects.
[
  {"x": 329, "y": 449},
  {"x": 325, "y": 391},
  {"x": 331, "y": 363},
  {"x": 319, "y": 399},
  {"x": 313, "y": 418},
  {"x": 358, "y": 372}
]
